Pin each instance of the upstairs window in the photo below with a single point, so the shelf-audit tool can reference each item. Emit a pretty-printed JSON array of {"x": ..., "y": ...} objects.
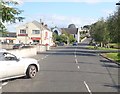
[
  {"x": 35, "y": 31},
  {"x": 22, "y": 31}
]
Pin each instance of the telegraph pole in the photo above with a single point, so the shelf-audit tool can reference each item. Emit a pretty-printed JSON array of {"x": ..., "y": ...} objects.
[{"x": 41, "y": 30}]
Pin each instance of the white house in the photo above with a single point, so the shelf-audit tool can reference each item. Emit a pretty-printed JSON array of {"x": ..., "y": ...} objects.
[
  {"x": 34, "y": 32},
  {"x": 71, "y": 30}
]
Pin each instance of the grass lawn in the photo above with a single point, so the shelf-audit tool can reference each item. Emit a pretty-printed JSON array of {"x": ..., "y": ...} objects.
[
  {"x": 100, "y": 48},
  {"x": 113, "y": 56}
]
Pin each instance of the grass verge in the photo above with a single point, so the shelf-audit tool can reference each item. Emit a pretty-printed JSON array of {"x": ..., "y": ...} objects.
[
  {"x": 113, "y": 56},
  {"x": 101, "y": 48}
]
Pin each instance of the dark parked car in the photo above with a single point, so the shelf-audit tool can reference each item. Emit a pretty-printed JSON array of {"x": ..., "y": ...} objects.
[
  {"x": 75, "y": 44},
  {"x": 18, "y": 46},
  {"x": 61, "y": 44}
]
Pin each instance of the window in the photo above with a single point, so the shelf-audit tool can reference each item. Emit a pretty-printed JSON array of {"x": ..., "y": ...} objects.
[
  {"x": 22, "y": 31},
  {"x": 7, "y": 57},
  {"x": 35, "y": 31}
]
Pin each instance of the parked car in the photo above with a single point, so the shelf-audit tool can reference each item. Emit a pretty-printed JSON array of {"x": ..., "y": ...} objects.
[
  {"x": 75, "y": 44},
  {"x": 61, "y": 44},
  {"x": 12, "y": 66},
  {"x": 18, "y": 46}
]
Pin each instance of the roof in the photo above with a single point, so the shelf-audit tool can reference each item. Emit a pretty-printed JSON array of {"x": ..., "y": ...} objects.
[
  {"x": 39, "y": 25},
  {"x": 70, "y": 30},
  {"x": 56, "y": 28}
]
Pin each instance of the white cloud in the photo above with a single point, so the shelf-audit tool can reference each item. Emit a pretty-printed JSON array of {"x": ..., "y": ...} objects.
[
  {"x": 108, "y": 11},
  {"x": 55, "y": 20},
  {"x": 19, "y": 1},
  {"x": 86, "y": 1}
]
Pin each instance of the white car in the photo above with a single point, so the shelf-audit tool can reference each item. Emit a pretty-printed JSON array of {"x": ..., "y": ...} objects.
[{"x": 12, "y": 67}]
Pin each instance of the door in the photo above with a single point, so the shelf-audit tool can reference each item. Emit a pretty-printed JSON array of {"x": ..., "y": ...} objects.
[
  {"x": 3, "y": 72},
  {"x": 13, "y": 65}
]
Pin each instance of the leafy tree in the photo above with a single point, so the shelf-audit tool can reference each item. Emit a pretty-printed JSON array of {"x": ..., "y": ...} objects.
[
  {"x": 9, "y": 14},
  {"x": 3, "y": 31},
  {"x": 54, "y": 36},
  {"x": 71, "y": 39},
  {"x": 59, "y": 38},
  {"x": 100, "y": 33}
]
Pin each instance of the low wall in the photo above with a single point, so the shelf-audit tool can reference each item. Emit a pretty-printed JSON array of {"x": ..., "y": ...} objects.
[
  {"x": 6, "y": 46},
  {"x": 28, "y": 52},
  {"x": 41, "y": 48}
]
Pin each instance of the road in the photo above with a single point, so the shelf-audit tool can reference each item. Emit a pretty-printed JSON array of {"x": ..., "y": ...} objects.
[{"x": 69, "y": 69}]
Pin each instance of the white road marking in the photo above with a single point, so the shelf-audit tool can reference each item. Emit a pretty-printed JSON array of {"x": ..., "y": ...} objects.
[
  {"x": 5, "y": 83},
  {"x": 46, "y": 56},
  {"x": 0, "y": 90},
  {"x": 87, "y": 87},
  {"x": 76, "y": 61},
  {"x": 78, "y": 67},
  {"x": 42, "y": 58},
  {"x": 75, "y": 55}
]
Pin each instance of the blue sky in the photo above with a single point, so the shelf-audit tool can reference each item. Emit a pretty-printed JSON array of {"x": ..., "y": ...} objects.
[{"x": 62, "y": 14}]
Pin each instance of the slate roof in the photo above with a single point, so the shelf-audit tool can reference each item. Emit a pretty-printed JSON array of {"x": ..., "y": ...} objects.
[
  {"x": 39, "y": 25},
  {"x": 70, "y": 30}
]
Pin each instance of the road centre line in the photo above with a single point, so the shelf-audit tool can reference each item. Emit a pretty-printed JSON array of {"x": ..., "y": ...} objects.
[
  {"x": 43, "y": 57},
  {"x": 76, "y": 61},
  {"x": 5, "y": 83},
  {"x": 87, "y": 87},
  {"x": 75, "y": 56},
  {"x": 0, "y": 90}
]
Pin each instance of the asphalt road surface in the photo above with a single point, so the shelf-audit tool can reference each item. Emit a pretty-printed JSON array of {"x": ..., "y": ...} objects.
[{"x": 69, "y": 69}]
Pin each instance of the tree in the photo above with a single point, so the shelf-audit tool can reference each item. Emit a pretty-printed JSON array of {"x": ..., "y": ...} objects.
[
  {"x": 59, "y": 38},
  {"x": 3, "y": 31},
  {"x": 71, "y": 39},
  {"x": 100, "y": 33},
  {"x": 9, "y": 14}
]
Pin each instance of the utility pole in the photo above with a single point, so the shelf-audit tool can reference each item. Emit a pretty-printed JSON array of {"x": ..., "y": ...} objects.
[{"x": 41, "y": 30}]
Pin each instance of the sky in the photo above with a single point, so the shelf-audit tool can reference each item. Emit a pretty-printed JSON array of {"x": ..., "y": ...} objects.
[{"x": 61, "y": 13}]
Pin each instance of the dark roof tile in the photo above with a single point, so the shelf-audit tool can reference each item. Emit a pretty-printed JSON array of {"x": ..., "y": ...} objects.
[{"x": 70, "y": 30}]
